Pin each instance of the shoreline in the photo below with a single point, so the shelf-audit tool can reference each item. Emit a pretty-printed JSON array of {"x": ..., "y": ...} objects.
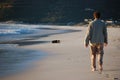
[
  {"x": 8, "y": 48},
  {"x": 69, "y": 60},
  {"x": 14, "y": 59}
]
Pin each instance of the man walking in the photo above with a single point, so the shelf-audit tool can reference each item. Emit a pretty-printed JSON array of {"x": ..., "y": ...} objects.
[{"x": 96, "y": 37}]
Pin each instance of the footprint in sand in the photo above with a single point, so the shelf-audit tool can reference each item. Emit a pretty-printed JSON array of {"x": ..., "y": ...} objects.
[
  {"x": 108, "y": 76},
  {"x": 116, "y": 79}
]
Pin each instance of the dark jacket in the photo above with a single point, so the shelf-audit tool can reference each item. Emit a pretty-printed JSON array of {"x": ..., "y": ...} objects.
[{"x": 96, "y": 33}]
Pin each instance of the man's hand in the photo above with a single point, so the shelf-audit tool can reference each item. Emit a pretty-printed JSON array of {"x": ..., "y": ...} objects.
[
  {"x": 105, "y": 44},
  {"x": 86, "y": 45}
]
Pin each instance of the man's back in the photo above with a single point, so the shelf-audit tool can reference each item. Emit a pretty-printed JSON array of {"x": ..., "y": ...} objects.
[{"x": 97, "y": 31}]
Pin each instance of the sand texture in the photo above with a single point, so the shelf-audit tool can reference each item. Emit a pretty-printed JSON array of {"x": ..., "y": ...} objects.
[{"x": 70, "y": 60}]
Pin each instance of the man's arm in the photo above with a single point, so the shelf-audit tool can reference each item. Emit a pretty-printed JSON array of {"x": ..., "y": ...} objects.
[
  {"x": 105, "y": 35},
  {"x": 87, "y": 37}
]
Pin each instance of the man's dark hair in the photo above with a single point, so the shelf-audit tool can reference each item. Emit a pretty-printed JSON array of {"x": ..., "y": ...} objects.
[{"x": 96, "y": 14}]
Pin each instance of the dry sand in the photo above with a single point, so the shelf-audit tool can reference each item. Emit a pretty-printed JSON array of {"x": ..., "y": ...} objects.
[{"x": 70, "y": 60}]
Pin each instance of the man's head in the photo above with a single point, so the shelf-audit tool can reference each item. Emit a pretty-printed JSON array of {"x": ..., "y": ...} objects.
[{"x": 96, "y": 14}]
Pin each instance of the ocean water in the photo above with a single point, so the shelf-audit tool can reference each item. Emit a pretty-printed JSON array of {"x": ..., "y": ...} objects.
[
  {"x": 13, "y": 58},
  {"x": 9, "y": 32},
  {"x": 14, "y": 32}
]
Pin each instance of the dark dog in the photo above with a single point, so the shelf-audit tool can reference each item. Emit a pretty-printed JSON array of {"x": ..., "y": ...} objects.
[{"x": 56, "y": 41}]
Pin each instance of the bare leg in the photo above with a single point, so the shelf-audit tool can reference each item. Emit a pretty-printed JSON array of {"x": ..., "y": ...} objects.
[
  {"x": 93, "y": 62},
  {"x": 100, "y": 57},
  {"x": 100, "y": 61},
  {"x": 93, "y": 58}
]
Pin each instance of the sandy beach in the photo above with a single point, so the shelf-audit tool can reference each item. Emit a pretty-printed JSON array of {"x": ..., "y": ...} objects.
[{"x": 69, "y": 59}]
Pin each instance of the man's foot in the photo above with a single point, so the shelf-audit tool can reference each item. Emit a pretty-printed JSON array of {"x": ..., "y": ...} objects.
[
  {"x": 93, "y": 69},
  {"x": 100, "y": 70}
]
